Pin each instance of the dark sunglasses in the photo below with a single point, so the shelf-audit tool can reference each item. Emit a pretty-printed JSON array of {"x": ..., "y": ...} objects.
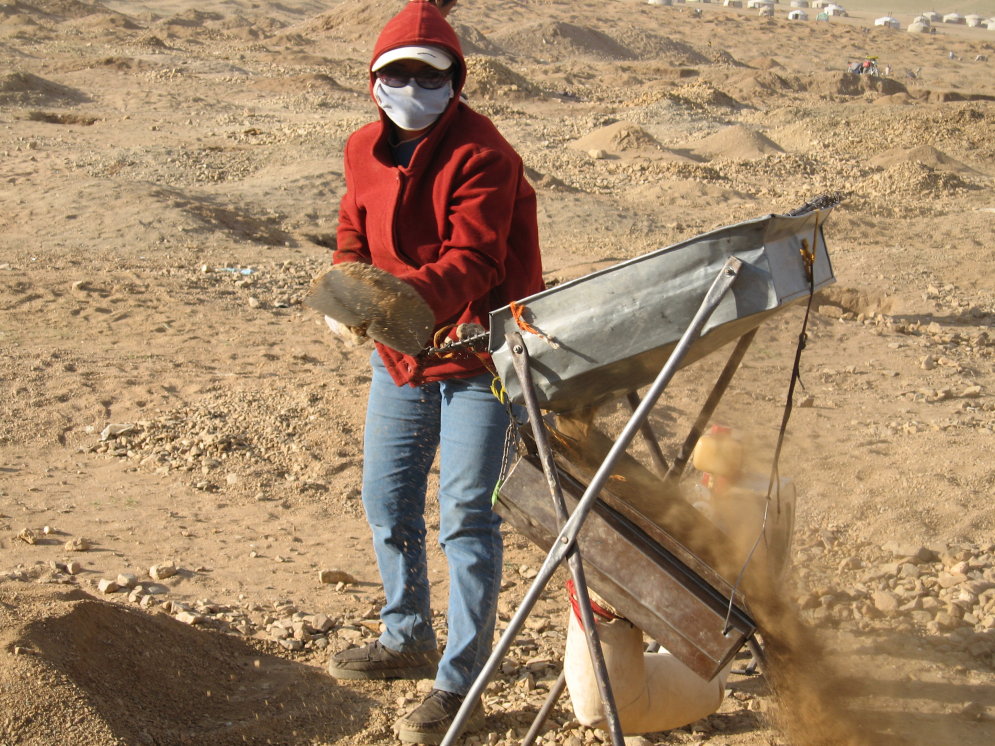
[{"x": 428, "y": 79}]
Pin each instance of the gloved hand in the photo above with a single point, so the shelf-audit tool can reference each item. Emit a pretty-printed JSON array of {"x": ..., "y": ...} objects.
[
  {"x": 365, "y": 297},
  {"x": 352, "y": 335}
]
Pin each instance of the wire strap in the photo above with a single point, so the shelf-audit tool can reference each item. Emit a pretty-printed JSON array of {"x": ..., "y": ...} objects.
[{"x": 808, "y": 259}]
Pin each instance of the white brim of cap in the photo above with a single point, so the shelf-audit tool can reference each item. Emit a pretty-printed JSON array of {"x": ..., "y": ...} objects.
[{"x": 437, "y": 57}]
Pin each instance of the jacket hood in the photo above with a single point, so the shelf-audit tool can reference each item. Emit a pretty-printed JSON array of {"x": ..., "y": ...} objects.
[{"x": 421, "y": 24}]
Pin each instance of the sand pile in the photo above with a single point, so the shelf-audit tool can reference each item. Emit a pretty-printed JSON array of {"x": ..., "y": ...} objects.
[
  {"x": 849, "y": 84},
  {"x": 737, "y": 143},
  {"x": 76, "y": 669},
  {"x": 559, "y": 40},
  {"x": 22, "y": 88},
  {"x": 489, "y": 79},
  {"x": 926, "y": 155},
  {"x": 906, "y": 182},
  {"x": 701, "y": 95},
  {"x": 619, "y": 137},
  {"x": 649, "y": 46},
  {"x": 348, "y": 22},
  {"x": 65, "y": 9}
]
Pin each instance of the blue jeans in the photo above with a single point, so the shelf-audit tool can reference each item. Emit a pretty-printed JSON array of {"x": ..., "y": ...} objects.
[{"x": 404, "y": 427}]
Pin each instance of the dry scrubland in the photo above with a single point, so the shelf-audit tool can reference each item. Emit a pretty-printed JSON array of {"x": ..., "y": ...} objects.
[{"x": 168, "y": 188}]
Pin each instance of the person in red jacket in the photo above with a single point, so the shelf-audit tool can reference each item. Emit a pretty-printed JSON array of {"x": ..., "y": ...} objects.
[{"x": 436, "y": 197}]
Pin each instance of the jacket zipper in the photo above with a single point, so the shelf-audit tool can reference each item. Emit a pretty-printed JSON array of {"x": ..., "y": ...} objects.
[{"x": 398, "y": 197}]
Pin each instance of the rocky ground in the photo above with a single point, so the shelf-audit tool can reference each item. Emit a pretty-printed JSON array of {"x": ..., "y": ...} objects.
[{"x": 181, "y": 539}]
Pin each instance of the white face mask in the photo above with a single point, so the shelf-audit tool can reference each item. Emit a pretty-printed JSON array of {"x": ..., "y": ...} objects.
[{"x": 412, "y": 107}]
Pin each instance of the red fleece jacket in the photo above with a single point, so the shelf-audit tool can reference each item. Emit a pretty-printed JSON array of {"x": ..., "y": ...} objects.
[{"x": 458, "y": 223}]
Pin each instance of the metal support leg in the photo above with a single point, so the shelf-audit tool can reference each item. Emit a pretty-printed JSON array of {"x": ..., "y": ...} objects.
[
  {"x": 725, "y": 378},
  {"x": 649, "y": 436},
  {"x": 568, "y": 534},
  {"x": 547, "y": 707},
  {"x": 521, "y": 359}
]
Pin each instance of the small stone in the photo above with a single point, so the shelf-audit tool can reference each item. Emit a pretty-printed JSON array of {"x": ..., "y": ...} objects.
[
  {"x": 928, "y": 363},
  {"x": 320, "y": 623},
  {"x": 597, "y": 154},
  {"x": 77, "y": 544},
  {"x": 113, "y": 430},
  {"x": 291, "y": 644},
  {"x": 127, "y": 580},
  {"x": 105, "y": 585},
  {"x": 254, "y": 302},
  {"x": 971, "y": 392},
  {"x": 27, "y": 536},
  {"x": 73, "y": 567},
  {"x": 885, "y": 601},
  {"x": 189, "y": 617},
  {"x": 328, "y": 577},
  {"x": 163, "y": 571}
]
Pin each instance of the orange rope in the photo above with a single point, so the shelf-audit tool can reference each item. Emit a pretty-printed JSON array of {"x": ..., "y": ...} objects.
[{"x": 517, "y": 311}]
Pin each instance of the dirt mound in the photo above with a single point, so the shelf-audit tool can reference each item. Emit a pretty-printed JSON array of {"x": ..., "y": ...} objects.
[
  {"x": 925, "y": 155},
  {"x": 722, "y": 57},
  {"x": 618, "y": 138},
  {"x": 191, "y": 19},
  {"x": 348, "y": 21},
  {"x": 702, "y": 95},
  {"x": 849, "y": 84},
  {"x": 97, "y": 22},
  {"x": 65, "y": 9},
  {"x": 473, "y": 42},
  {"x": 750, "y": 84},
  {"x": 647, "y": 46},
  {"x": 21, "y": 88},
  {"x": 737, "y": 143},
  {"x": 76, "y": 670},
  {"x": 909, "y": 181},
  {"x": 487, "y": 78},
  {"x": 764, "y": 63},
  {"x": 151, "y": 42},
  {"x": 559, "y": 39}
]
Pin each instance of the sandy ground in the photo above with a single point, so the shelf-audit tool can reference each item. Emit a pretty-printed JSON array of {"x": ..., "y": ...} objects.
[{"x": 168, "y": 188}]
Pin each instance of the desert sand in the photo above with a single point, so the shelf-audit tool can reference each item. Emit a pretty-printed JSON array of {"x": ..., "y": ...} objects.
[{"x": 168, "y": 189}]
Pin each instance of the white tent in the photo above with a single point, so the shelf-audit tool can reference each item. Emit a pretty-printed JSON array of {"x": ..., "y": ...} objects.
[
  {"x": 797, "y": 15},
  {"x": 953, "y": 18},
  {"x": 933, "y": 16},
  {"x": 836, "y": 10},
  {"x": 924, "y": 20},
  {"x": 759, "y": 3},
  {"x": 799, "y": 3},
  {"x": 887, "y": 21},
  {"x": 919, "y": 28},
  {"x": 660, "y": 2},
  {"x": 821, "y": 3},
  {"x": 973, "y": 20},
  {"x": 733, "y": 3}
]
